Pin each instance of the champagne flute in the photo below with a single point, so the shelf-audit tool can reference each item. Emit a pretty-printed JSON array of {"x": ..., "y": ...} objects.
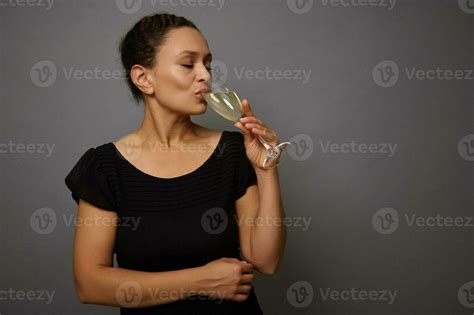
[{"x": 227, "y": 104}]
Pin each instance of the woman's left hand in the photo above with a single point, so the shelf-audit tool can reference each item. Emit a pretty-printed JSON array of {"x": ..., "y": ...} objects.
[{"x": 252, "y": 127}]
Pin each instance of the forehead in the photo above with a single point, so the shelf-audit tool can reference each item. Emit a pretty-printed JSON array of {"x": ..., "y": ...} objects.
[{"x": 182, "y": 41}]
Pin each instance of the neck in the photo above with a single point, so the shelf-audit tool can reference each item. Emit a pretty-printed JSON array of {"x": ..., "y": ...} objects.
[{"x": 165, "y": 128}]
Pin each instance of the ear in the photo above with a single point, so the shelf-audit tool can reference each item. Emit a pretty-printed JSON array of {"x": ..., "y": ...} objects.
[{"x": 142, "y": 79}]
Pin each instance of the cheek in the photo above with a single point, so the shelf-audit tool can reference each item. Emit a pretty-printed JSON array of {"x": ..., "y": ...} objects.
[
  {"x": 173, "y": 88},
  {"x": 173, "y": 82}
]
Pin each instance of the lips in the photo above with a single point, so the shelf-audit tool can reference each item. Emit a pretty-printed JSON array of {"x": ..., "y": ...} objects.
[
  {"x": 202, "y": 90},
  {"x": 200, "y": 97},
  {"x": 199, "y": 93}
]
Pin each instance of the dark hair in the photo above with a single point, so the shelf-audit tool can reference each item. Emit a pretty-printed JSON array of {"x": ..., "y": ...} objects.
[{"x": 143, "y": 41}]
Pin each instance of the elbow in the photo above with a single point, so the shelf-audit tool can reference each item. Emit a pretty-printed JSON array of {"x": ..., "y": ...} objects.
[
  {"x": 266, "y": 272},
  {"x": 82, "y": 299},
  {"x": 88, "y": 286},
  {"x": 268, "y": 269},
  {"x": 263, "y": 265},
  {"x": 81, "y": 293},
  {"x": 81, "y": 289}
]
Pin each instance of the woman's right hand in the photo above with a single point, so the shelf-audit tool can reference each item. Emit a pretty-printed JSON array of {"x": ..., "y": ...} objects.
[{"x": 229, "y": 279}]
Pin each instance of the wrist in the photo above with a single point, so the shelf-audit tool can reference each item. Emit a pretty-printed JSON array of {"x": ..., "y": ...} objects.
[
  {"x": 202, "y": 283},
  {"x": 266, "y": 172}
]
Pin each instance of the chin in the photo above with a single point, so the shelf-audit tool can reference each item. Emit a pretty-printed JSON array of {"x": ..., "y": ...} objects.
[{"x": 200, "y": 109}]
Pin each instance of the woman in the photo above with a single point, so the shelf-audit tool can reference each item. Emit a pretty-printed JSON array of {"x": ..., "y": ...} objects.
[{"x": 176, "y": 202}]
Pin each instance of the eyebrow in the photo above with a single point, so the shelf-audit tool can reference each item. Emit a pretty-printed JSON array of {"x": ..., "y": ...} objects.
[{"x": 194, "y": 53}]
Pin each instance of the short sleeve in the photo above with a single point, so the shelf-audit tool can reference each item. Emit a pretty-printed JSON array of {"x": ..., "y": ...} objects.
[
  {"x": 246, "y": 175},
  {"x": 88, "y": 181}
]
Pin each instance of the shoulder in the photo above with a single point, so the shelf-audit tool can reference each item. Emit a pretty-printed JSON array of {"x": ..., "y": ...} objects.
[
  {"x": 95, "y": 163},
  {"x": 99, "y": 159},
  {"x": 103, "y": 153},
  {"x": 229, "y": 142},
  {"x": 232, "y": 146},
  {"x": 235, "y": 139},
  {"x": 93, "y": 178},
  {"x": 210, "y": 135},
  {"x": 207, "y": 134}
]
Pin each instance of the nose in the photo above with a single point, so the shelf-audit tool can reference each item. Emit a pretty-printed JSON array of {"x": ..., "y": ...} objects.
[{"x": 204, "y": 75}]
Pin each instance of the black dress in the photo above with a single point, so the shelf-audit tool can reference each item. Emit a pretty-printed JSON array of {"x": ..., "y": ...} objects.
[{"x": 171, "y": 223}]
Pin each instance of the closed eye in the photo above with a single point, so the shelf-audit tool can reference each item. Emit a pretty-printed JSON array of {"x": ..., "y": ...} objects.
[{"x": 190, "y": 66}]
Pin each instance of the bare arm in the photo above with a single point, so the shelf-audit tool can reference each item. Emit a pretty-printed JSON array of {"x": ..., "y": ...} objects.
[
  {"x": 98, "y": 282},
  {"x": 261, "y": 229}
]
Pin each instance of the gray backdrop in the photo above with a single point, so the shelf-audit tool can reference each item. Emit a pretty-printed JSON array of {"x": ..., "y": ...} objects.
[{"x": 376, "y": 97}]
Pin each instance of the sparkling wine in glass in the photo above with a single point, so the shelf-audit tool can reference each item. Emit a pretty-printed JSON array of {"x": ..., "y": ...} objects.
[{"x": 226, "y": 103}]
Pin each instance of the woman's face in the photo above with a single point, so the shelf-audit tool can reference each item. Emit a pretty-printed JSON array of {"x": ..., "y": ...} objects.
[{"x": 182, "y": 68}]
